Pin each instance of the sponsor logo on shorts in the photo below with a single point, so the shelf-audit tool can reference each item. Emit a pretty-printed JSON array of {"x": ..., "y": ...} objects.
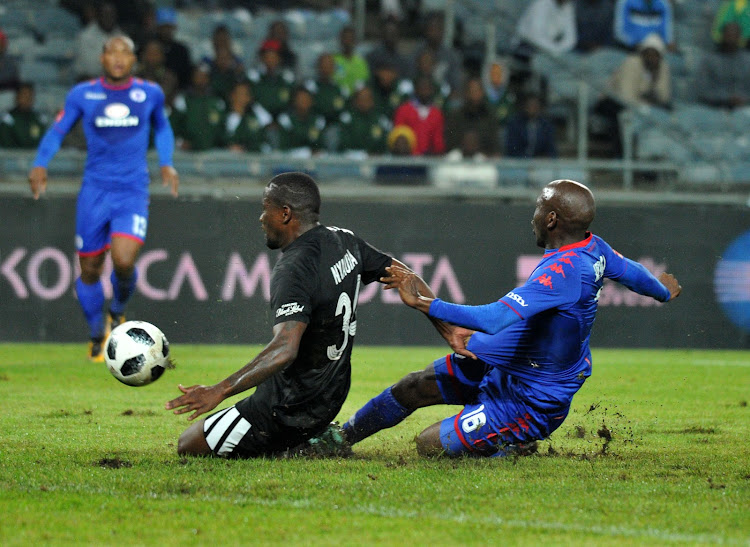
[
  {"x": 517, "y": 298},
  {"x": 289, "y": 309}
]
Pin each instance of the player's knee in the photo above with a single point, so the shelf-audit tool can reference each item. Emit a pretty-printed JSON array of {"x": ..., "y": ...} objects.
[
  {"x": 192, "y": 442},
  {"x": 91, "y": 268},
  {"x": 417, "y": 389},
  {"x": 428, "y": 444},
  {"x": 123, "y": 265}
]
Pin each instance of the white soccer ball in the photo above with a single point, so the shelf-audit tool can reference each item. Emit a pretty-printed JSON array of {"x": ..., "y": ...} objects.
[{"x": 137, "y": 353}]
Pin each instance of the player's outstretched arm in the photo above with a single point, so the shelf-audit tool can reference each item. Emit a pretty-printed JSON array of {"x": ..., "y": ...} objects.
[
  {"x": 416, "y": 293},
  {"x": 170, "y": 178},
  {"x": 279, "y": 353},
  {"x": 38, "y": 181}
]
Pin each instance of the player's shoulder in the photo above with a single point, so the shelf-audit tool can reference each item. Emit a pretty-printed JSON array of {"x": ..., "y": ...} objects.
[
  {"x": 87, "y": 89},
  {"x": 341, "y": 232},
  {"x": 148, "y": 86}
]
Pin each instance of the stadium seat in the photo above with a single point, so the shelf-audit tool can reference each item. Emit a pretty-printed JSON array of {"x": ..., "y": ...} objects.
[
  {"x": 50, "y": 99},
  {"x": 695, "y": 118},
  {"x": 655, "y": 143},
  {"x": 56, "y": 48},
  {"x": 40, "y": 72},
  {"x": 56, "y": 21},
  {"x": 7, "y": 100}
]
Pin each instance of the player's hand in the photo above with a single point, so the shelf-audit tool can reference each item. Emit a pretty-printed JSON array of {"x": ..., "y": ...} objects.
[
  {"x": 195, "y": 399},
  {"x": 670, "y": 282},
  {"x": 38, "y": 181},
  {"x": 169, "y": 177},
  {"x": 408, "y": 284},
  {"x": 458, "y": 338}
]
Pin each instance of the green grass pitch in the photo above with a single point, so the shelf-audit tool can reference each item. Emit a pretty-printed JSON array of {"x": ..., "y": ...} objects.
[{"x": 655, "y": 451}]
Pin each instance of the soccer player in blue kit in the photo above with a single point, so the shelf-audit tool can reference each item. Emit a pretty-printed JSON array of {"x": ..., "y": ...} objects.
[
  {"x": 527, "y": 354},
  {"x": 118, "y": 113}
]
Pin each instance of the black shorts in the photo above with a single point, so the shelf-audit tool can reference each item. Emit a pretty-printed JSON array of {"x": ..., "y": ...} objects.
[{"x": 230, "y": 434}]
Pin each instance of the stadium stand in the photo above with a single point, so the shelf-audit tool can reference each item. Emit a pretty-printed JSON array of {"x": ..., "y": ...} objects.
[{"x": 691, "y": 142}]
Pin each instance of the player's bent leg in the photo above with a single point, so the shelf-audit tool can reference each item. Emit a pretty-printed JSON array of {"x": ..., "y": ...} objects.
[
  {"x": 393, "y": 405},
  {"x": 418, "y": 389},
  {"x": 193, "y": 442}
]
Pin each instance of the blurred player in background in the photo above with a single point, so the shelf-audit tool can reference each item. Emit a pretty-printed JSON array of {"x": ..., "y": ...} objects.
[
  {"x": 529, "y": 356},
  {"x": 304, "y": 373},
  {"x": 118, "y": 113}
]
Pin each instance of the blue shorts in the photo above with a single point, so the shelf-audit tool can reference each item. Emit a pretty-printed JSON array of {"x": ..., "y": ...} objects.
[
  {"x": 103, "y": 214},
  {"x": 494, "y": 414}
]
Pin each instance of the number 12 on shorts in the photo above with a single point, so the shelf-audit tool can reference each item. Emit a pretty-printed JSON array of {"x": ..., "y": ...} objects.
[{"x": 140, "y": 223}]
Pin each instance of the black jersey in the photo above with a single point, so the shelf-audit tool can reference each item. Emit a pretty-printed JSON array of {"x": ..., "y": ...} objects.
[{"x": 316, "y": 281}]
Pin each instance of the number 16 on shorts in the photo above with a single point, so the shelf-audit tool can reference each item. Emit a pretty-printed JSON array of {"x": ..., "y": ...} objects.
[{"x": 473, "y": 420}]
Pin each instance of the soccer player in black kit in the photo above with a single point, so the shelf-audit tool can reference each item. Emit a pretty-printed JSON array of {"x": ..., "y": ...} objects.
[{"x": 303, "y": 375}]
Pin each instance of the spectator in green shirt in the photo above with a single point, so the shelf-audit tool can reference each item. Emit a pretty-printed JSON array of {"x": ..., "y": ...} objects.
[
  {"x": 22, "y": 126},
  {"x": 300, "y": 128},
  {"x": 363, "y": 129},
  {"x": 351, "y": 68},
  {"x": 330, "y": 97},
  {"x": 246, "y": 122},
  {"x": 388, "y": 90},
  {"x": 198, "y": 115},
  {"x": 732, "y": 11},
  {"x": 272, "y": 84}
]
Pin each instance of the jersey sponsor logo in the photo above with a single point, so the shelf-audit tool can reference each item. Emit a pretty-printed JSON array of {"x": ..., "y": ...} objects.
[
  {"x": 137, "y": 95},
  {"x": 343, "y": 267},
  {"x": 116, "y": 115},
  {"x": 517, "y": 298},
  {"x": 94, "y": 96},
  {"x": 289, "y": 309},
  {"x": 599, "y": 267}
]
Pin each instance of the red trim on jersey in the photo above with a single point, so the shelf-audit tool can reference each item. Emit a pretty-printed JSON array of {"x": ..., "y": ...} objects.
[
  {"x": 127, "y": 236},
  {"x": 577, "y": 245},
  {"x": 94, "y": 253},
  {"x": 461, "y": 435},
  {"x": 512, "y": 308},
  {"x": 116, "y": 87}
]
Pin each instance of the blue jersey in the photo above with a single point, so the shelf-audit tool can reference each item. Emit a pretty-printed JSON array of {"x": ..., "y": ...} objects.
[
  {"x": 117, "y": 122},
  {"x": 539, "y": 332},
  {"x": 636, "y": 19}
]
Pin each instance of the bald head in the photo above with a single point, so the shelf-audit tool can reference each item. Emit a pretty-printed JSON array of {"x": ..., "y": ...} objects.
[
  {"x": 119, "y": 41},
  {"x": 564, "y": 211}
]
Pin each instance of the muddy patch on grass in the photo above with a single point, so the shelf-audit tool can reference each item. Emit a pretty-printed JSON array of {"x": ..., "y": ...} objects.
[
  {"x": 131, "y": 412},
  {"x": 592, "y": 433},
  {"x": 697, "y": 429},
  {"x": 112, "y": 463}
]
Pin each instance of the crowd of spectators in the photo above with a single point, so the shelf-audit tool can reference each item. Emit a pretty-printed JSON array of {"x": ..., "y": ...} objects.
[{"x": 420, "y": 98}]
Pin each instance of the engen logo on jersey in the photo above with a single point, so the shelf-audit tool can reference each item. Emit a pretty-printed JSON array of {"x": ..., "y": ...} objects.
[{"x": 116, "y": 115}]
